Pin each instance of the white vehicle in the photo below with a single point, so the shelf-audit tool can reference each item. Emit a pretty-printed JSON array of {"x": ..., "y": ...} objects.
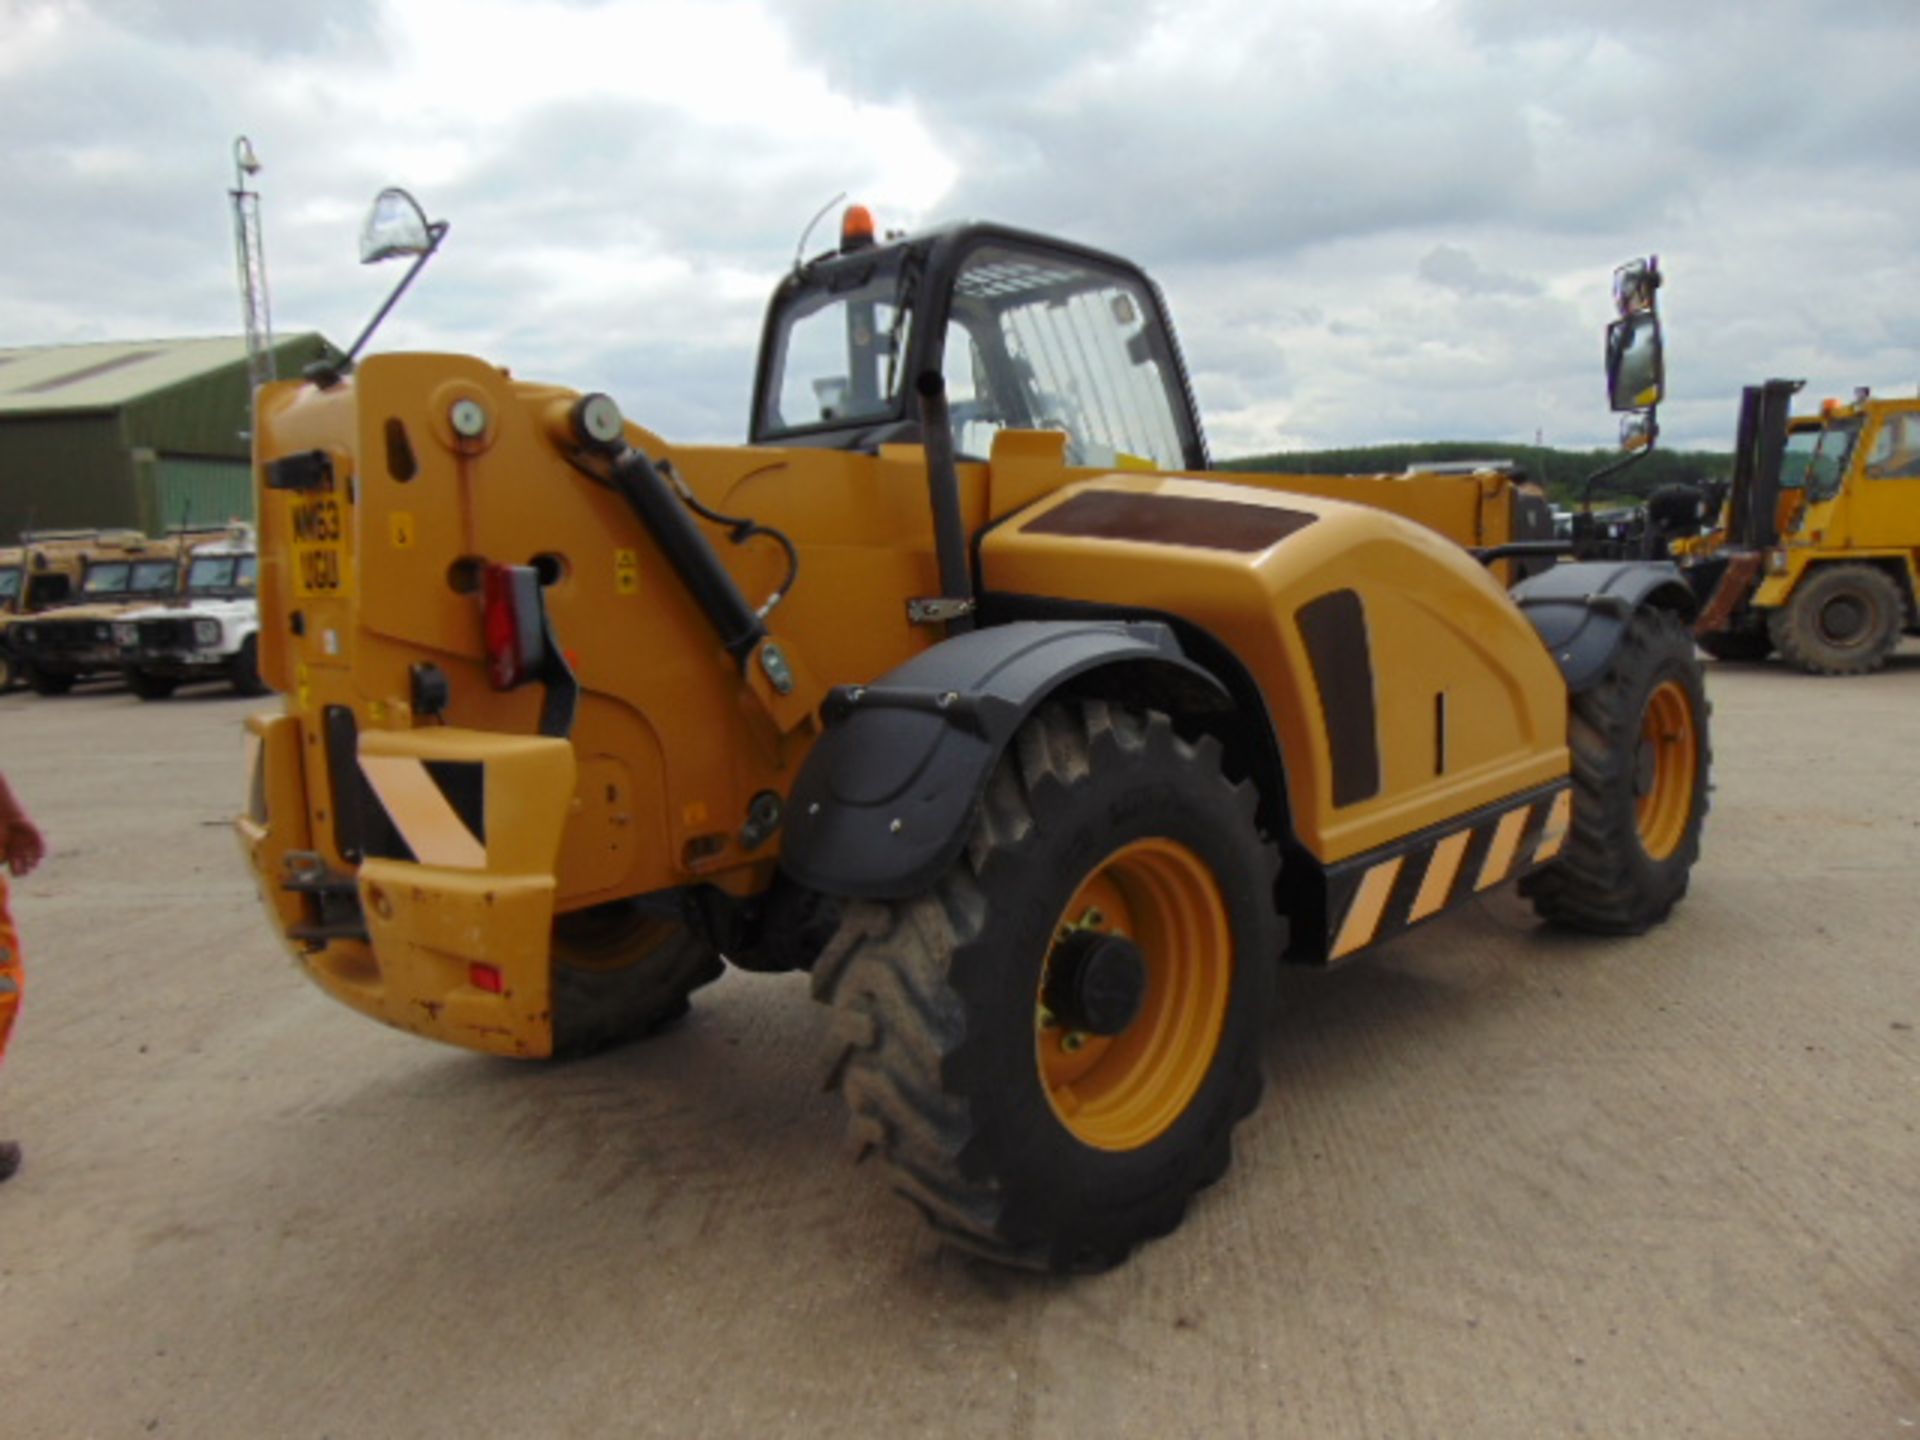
[{"x": 211, "y": 632}]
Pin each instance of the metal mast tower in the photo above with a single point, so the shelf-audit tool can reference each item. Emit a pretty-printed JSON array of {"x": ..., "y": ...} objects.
[{"x": 253, "y": 269}]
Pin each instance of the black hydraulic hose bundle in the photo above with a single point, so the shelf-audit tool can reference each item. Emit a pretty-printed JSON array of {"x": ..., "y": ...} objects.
[{"x": 646, "y": 490}]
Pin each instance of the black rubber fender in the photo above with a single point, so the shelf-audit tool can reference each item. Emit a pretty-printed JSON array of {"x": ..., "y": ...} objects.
[
  {"x": 1581, "y": 609},
  {"x": 885, "y": 799}
]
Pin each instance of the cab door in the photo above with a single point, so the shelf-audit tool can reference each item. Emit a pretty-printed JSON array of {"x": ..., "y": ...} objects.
[{"x": 1883, "y": 501}]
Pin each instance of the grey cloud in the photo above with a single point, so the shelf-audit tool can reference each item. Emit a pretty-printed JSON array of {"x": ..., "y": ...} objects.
[
  {"x": 1452, "y": 268},
  {"x": 267, "y": 30}
]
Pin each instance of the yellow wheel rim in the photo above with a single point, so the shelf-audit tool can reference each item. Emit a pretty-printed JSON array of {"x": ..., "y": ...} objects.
[
  {"x": 1120, "y": 1092},
  {"x": 1665, "y": 769}
]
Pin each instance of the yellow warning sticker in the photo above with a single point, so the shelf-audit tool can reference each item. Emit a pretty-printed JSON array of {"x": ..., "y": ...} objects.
[
  {"x": 401, "y": 523},
  {"x": 626, "y": 571}
]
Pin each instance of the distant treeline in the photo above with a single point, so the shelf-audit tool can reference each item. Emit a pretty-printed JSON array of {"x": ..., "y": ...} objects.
[{"x": 1561, "y": 472}]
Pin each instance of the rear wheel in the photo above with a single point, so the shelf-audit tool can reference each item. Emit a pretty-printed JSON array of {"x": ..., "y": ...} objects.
[
  {"x": 1051, "y": 1048},
  {"x": 1640, "y": 761},
  {"x": 1843, "y": 620},
  {"x": 1752, "y": 643},
  {"x": 150, "y": 687},
  {"x": 621, "y": 972}
]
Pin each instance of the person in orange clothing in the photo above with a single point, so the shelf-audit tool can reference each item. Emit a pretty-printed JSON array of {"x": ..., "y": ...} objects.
[{"x": 21, "y": 848}]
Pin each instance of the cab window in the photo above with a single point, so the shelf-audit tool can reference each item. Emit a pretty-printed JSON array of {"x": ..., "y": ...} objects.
[
  {"x": 1035, "y": 342},
  {"x": 1827, "y": 466},
  {"x": 837, "y": 356},
  {"x": 1895, "y": 452}
]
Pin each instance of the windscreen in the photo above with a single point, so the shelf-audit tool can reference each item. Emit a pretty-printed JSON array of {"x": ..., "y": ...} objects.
[
  {"x": 109, "y": 577},
  {"x": 1827, "y": 466},
  {"x": 152, "y": 575},
  {"x": 219, "y": 574},
  {"x": 1036, "y": 342},
  {"x": 837, "y": 354},
  {"x": 1793, "y": 461},
  {"x": 9, "y": 584}
]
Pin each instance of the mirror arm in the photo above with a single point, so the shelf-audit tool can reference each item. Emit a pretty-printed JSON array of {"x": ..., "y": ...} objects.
[
  {"x": 1625, "y": 462},
  {"x": 436, "y": 232}
]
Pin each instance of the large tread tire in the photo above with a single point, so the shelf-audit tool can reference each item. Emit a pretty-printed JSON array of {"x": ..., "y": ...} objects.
[
  {"x": 1843, "y": 620},
  {"x": 936, "y": 996},
  {"x": 1605, "y": 881},
  {"x": 621, "y": 973},
  {"x": 1737, "y": 645},
  {"x": 150, "y": 687},
  {"x": 246, "y": 669}
]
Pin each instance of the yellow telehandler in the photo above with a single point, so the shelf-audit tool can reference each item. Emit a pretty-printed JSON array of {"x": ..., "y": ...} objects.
[{"x": 965, "y": 685}]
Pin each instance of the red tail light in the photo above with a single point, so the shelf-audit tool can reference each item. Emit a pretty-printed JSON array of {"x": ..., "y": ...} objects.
[
  {"x": 486, "y": 977},
  {"x": 511, "y": 617}
]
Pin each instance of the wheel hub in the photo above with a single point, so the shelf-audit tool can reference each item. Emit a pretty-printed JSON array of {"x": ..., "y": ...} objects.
[
  {"x": 1843, "y": 620},
  {"x": 1096, "y": 982}
]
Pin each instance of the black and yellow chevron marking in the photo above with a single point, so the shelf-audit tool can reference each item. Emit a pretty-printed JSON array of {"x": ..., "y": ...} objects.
[{"x": 1375, "y": 896}]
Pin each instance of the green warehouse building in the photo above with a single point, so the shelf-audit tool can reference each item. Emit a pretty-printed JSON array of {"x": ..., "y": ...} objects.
[{"x": 145, "y": 434}]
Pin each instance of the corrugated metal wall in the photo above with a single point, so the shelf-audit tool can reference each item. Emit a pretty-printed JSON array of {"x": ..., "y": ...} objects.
[
  {"x": 64, "y": 471},
  {"x": 139, "y": 465},
  {"x": 195, "y": 490}
]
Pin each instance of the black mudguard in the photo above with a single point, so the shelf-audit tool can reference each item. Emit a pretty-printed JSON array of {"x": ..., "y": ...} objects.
[
  {"x": 884, "y": 801},
  {"x": 1581, "y": 610}
]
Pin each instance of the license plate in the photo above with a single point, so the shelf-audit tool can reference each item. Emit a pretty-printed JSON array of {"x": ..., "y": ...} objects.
[{"x": 318, "y": 563}]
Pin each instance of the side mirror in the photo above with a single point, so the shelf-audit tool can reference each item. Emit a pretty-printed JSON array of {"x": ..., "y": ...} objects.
[
  {"x": 1638, "y": 431},
  {"x": 1634, "y": 284},
  {"x": 395, "y": 226},
  {"x": 1636, "y": 366}
]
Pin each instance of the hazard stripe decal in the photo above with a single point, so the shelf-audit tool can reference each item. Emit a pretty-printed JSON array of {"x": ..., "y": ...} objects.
[
  {"x": 1436, "y": 880},
  {"x": 421, "y": 812},
  {"x": 1376, "y": 896},
  {"x": 1369, "y": 904}
]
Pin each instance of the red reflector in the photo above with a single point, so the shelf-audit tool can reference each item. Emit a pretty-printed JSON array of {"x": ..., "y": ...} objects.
[
  {"x": 502, "y": 629},
  {"x": 485, "y": 977}
]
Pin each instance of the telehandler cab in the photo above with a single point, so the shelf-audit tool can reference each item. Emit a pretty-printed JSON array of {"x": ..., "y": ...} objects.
[{"x": 963, "y": 686}]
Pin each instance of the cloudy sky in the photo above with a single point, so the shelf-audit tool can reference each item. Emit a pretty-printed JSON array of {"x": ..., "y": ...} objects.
[{"x": 1374, "y": 220}]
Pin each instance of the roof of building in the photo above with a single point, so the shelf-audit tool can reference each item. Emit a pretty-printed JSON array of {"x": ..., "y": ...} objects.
[{"x": 105, "y": 375}]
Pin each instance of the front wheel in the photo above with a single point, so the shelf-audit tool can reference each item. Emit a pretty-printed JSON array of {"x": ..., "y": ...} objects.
[
  {"x": 1051, "y": 1047},
  {"x": 47, "y": 682},
  {"x": 246, "y": 668},
  {"x": 1843, "y": 620},
  {"x": 150, "y": 687},
  {"x": 1640, "y": 762}
]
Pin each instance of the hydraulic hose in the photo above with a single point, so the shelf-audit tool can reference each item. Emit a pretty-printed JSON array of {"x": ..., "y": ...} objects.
[{"x": 646, "y": 490}]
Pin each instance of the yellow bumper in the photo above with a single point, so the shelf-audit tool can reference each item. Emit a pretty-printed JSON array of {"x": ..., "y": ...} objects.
[{"x": 473, "y": 910}]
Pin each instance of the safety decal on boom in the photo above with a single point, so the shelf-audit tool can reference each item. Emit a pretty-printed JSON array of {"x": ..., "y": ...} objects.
[{"x": 1375, "y": 896}]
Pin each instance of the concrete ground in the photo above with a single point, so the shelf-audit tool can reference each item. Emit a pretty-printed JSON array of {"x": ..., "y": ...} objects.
[{"x": 1505, "y": 1182}]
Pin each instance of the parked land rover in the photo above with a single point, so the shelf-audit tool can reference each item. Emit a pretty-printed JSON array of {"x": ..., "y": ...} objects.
[
  {"x": 209, "y": 632},
  {"x": 76, "y": 642}
]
